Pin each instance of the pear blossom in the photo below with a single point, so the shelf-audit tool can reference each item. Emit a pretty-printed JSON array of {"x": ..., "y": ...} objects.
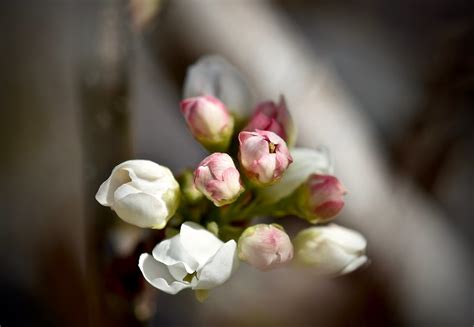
[
  {"x": 141, "y": 192},
  {"x": 330, "y": 249},
  {"x": 320, "y": 198},
  {"x": 194, "y": 258},
  {"x": 218, "y": 179},
  {"x": 209, "y": 121},
  {"x": 265, "y": 247},
  {"x": 213, "y": 75},
  {"x": 264, "y": 156},
  {"x": 269, "y": 116}
]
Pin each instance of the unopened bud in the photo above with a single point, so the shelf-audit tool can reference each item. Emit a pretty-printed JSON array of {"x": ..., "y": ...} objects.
[
  {"x": 141, "y": 192},
  {"x": 265, "y": 247},
  {"x": 320, "y": 198},
  {"x": 264, "y": 156},
  {"x": 331, "y": 249},
  {"x": 218, "y": 179},
  {"x": 209, "y": 121},
  {"x": 269, "y": 116}
]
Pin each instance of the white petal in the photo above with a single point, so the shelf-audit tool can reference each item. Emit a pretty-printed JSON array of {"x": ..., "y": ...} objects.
[
  {"x": 158, "y": 275},
  {"x": 170, "y": 252},
  {"x": 178, "y": 271},
  {"x": 328, "y": 258},
  {"x": 266, "y": 165},
  {"x": 198, "y": 242},
  {"x": 145, "y": 169},
  {"x": 348, "y": 239},
  {"x": 219, "y": 268},
  {"x": 153, "y": 179},
  {"x": 253, "y": 148},
  {"x": 213, "y": 75},
  {"x": 358, "y": 262},
  {"x": 101, "y": 195},
  {"x": 305, "y": 163},
  {"x": 138, "y": 208},
  {"x": 105, "y": 195}
]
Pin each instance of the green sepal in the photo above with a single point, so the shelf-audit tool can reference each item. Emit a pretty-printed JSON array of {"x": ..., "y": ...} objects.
[{"x": 201, "y": 295}]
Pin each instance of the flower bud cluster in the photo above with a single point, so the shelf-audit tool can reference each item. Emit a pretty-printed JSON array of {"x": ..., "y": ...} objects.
[{"x": 252, "y": 170}]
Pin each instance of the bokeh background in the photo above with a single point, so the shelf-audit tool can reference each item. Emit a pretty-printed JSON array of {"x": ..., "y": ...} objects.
[{"x": 388, "y": 86}]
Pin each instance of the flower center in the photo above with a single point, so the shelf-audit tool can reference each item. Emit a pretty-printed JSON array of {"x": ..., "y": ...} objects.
[
  {"x": 189, "y": 277},
  {"x": 271, "y": 147}
]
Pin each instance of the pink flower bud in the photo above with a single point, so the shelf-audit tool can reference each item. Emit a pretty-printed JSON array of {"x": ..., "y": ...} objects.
[
  {"x": 264, "y": 156},
  {"x": 218, "y": 179},
  {"x": 321, "y": 197},
  {"x": 269, "y": 116},
  {"x": 265, "y": 247},
  {"x": 209, "y": 121}
]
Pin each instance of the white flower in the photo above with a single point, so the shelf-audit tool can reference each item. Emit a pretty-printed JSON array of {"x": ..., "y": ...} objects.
[
  {"x": 194, "y": 258},
  {"x": 141, "y": 192},
  {"x": 305, "y": 163},
  {"x": 331, "y": 249},
  {"x": 213, "y": 75}
]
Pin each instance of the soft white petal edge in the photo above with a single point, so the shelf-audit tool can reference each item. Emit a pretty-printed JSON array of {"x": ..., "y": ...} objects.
[
  {"x": 171, "y": 252},
  {"x": 350, "y": 240},
  {"x": 198, "y": 242},
  {"x": 157, "y": 275},
  {"x": 355, "y": 264},
  {"x": 141, "y": 209},
  {"x": 101, "y": 195},
  {"x": 219, "y": 268}
]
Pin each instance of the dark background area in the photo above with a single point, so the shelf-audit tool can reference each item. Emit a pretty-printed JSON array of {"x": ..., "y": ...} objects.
[{"x": 83, "y": 86}]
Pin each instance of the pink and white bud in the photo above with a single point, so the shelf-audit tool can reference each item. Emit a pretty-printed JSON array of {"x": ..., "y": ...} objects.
[
  {"x": 321, "y": 197},
  {"x": 264, "y": 156},
  {"x": 209, "y": 121},
  {"x": 269, "y": 116},
  {"x": 265, "y": 247},
  {"x": 218, "y": 179}
]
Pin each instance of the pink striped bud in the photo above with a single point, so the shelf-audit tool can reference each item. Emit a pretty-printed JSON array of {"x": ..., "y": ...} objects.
[
  {"x": 264, "y": 156},
  {"x": 218, "y": 179},
  {"x": 320, "y": 198},
  {"x": 269, "y": 116},
  {"x": 209, "y": 121},
  {"x": 265, "y": 247}
]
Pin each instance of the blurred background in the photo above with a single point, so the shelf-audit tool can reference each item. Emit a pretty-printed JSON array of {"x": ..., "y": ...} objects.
[{"x": 388, "y": 86}]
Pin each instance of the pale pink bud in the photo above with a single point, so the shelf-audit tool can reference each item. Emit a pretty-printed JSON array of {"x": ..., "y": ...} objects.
[
  {"x": 209, "y": 121},
  {"x": 265, "y": 247},
  {"x": 321, "y": 197},
  {"x": 269, "y": 116},
  {"x": 264, "y": 156},
  {"x": 218, "y": 179}
]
